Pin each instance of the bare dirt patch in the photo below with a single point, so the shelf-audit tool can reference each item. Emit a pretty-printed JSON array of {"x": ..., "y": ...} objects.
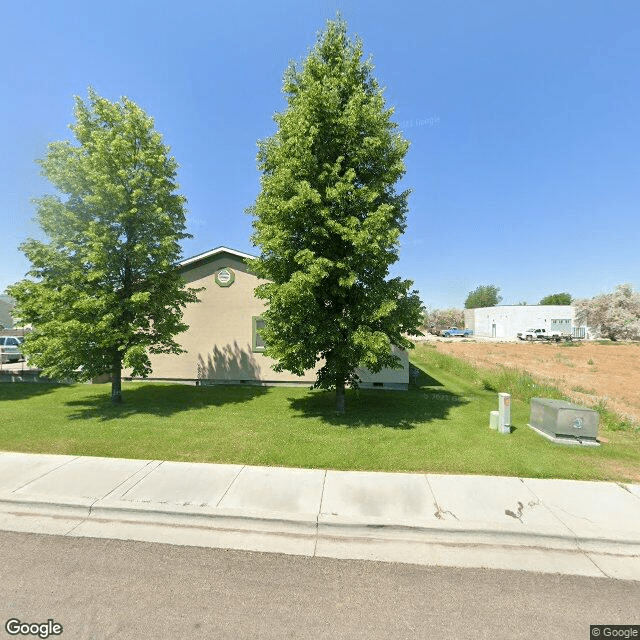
[{"x": 587, "y": 373}]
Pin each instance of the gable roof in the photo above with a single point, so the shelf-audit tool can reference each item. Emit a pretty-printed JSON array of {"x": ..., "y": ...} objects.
[{"x": 214, "y": 252}]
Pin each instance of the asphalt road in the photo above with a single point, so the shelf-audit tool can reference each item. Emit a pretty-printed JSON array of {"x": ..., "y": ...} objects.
[{"x": 101, "y": 589}]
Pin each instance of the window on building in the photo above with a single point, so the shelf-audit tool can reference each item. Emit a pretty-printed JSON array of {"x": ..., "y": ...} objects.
[
  {"x": 561, "y": 324},
  {"x": 257, "y": 343}
]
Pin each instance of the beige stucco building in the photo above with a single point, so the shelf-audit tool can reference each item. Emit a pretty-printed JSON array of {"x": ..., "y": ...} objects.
[{"x": 222, "y": 343}]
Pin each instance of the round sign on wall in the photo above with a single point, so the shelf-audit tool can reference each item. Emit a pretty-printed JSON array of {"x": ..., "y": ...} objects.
[{"x": 225, "y": 277}]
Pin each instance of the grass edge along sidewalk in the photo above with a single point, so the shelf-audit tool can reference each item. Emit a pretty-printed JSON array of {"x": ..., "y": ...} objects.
[{"x": 438, "y": 426}]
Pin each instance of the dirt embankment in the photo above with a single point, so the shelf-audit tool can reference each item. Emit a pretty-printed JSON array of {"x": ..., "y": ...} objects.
[{"x": 587, "y": 372}]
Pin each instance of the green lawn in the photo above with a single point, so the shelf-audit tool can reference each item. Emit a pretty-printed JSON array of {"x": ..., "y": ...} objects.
[{"x": 440, "y": 426}]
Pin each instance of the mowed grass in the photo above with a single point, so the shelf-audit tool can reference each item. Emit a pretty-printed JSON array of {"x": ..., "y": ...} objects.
[{"x": 439, "y": 426}]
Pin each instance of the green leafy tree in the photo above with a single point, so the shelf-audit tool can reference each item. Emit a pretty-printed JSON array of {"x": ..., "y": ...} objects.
[
  {"x": 328, "y": 221},
  {"x": 557, "y": 298},
  {"x": 103, "y": 290},
  {"x": 483, "y": 296}
]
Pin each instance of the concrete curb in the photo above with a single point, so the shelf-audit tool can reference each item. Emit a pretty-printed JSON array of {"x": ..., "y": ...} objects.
[
  {"x": 556, "y": 526},
  {"x": 309, "y": 527}
]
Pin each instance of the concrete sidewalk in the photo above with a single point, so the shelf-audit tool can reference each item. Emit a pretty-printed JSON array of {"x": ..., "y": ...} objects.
[{"x": 557, "y": 526}]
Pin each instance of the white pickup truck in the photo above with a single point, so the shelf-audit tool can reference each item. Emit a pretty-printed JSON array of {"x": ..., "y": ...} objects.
[{"x": 543, "y": 334}]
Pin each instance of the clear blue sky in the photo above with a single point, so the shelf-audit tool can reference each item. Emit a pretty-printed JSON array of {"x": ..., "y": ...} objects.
[{"x": 523, "y": 117}]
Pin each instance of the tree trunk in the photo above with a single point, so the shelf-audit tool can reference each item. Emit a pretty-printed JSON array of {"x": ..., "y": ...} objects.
[
  {"x": 116, "y": 379},
  {"x": 340, "y": 397}
]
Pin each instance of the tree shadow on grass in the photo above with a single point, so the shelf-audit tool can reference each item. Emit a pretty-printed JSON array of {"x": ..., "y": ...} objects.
[
  {"x": 379, "y": 408},
  {"x": 160, "y": 400},
  {"x": 421, "y": 379},
  {"x": 21, "y": 390}
]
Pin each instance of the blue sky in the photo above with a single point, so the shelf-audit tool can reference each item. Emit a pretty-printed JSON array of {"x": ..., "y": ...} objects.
[{"x": 523, "y": 117}]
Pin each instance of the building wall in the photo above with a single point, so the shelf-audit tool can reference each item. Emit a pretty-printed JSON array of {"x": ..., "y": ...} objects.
[
  {"x": 6, "y": 320},
  {"x": 218, "y": 342},
  {"x": 506, "y": 321}
]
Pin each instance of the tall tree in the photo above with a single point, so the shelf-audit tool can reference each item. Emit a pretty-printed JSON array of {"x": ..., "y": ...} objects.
[
  {"x": 328, "y": 221},
  {"x": 483, "y": 296},
  {"x": 557, "y": 298},
  {"x": 104, "y": 289},
  {"x": 613, "y": 315}
]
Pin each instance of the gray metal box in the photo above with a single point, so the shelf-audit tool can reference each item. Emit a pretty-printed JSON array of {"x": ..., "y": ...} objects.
[{"x": 559, "y": 418}]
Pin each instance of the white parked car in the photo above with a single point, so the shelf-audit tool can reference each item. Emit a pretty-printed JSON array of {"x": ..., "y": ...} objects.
[{"x": 10, "y": 349}]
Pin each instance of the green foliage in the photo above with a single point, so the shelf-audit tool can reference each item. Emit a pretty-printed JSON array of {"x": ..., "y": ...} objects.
[
  {"x": 328, "y": 220},
  {"x": 455, "y": 366},
  {"x": 103, "y": 290},
  {"x": 612, "y": 421},
  {"x": 557, "y": 298},
  {"x": 521, "y": 385},
  {"x": 483, "y": 296}
]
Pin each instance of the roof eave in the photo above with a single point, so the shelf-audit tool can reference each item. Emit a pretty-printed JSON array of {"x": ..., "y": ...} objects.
[{"x": 212, "y": 253}]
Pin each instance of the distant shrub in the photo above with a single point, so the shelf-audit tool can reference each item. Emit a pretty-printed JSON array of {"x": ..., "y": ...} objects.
[
  {"x": 437, "y": 320},
  {"x": 614, "y": 315}
]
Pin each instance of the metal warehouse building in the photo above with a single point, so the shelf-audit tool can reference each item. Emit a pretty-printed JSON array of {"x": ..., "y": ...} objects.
[{"x": 506, "y": 321}]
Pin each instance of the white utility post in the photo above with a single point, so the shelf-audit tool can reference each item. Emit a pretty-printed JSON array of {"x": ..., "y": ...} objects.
[{"x": 504, "y": 407}]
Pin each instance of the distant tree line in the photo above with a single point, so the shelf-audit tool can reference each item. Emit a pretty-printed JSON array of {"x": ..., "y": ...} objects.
[
  {"x": 488, "y": 295},
  {"x": 557, "y": 298}
]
